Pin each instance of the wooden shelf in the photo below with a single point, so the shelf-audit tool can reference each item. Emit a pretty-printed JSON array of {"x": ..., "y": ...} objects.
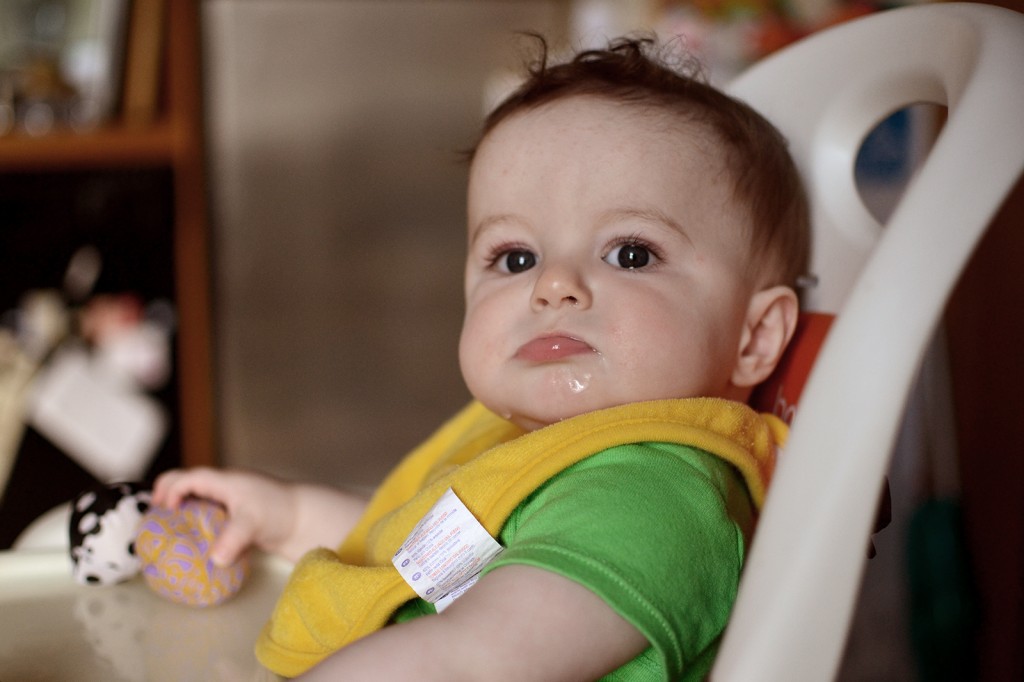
[
  {"x": 109, "y": 147},
  {"x": 173, "y": 140}
]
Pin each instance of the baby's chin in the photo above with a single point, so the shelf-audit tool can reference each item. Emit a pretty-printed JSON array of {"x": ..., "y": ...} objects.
[
  {"x": 541, "y": 413},
  {"x": 531, "y": 418},
  {"x": 567, "y": 391}
]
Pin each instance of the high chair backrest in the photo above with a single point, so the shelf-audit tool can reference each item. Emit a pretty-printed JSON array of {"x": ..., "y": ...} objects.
[{"x": 888, "y": 285}]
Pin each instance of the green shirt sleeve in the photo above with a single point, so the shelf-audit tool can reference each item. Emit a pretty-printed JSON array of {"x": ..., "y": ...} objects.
[{"x": 658, "y": 531}]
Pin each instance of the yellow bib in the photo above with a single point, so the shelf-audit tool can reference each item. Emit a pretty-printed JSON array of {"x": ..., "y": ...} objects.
[{"x": 334, "y": 598}]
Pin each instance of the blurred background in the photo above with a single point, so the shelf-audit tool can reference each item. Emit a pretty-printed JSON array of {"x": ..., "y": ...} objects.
[{"x": 231, "y": 233}]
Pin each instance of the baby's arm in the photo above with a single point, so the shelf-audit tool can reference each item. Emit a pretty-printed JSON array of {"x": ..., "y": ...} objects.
[
  {"x": 279, "y": 517},
  {"x": 517, "y": 623}
]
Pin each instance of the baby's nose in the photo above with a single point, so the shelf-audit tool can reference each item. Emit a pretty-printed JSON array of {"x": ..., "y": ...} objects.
[{"x": 559, "y": 285}]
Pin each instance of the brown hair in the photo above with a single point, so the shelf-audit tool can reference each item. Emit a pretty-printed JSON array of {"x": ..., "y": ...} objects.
[{"x": 764, "y": 175}]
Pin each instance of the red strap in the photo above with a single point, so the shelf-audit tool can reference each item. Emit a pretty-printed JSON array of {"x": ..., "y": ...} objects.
[{"x": 780, "y": 393}]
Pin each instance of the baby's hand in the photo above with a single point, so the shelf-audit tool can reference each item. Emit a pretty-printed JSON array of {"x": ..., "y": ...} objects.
[{"x": 260, "y": 509}]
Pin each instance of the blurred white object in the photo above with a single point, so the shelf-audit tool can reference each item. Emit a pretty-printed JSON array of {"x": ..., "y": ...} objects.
[
  {"x": 42, "y": 322},
  {"x": 16, "y": 372},
  {"x": 49, "y": 531},
  {"x": 888, "y": 285},
  {"x": 82, "y": 272},
  {"x": 140, "y": 355},
  {"x": 109, "y": 428}
]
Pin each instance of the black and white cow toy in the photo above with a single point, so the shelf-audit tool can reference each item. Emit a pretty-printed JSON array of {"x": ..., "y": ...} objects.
[{"x": 103, "y": 526}]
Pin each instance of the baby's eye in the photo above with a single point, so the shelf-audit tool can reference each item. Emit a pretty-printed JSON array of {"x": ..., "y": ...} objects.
[
  {"x": 516, "y": 260},
  {"x": 630, "y": 256}
]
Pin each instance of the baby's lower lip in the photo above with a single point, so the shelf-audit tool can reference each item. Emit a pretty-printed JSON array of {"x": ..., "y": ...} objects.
[{"x": 551, "y": 348}]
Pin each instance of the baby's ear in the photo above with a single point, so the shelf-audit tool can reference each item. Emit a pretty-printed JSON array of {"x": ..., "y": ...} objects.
[{"x": 770, "y": 323}]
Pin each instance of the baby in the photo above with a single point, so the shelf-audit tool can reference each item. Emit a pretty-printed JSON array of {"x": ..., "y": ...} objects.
[{"x": 634, "y": 239}]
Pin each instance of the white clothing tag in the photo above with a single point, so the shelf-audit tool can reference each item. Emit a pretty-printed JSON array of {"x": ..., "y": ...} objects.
[
  {"x": 446, "y": 600},
  {"x": 445, "y": 552}
]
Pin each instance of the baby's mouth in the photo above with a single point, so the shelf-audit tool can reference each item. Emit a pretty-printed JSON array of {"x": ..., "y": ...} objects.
[{"x": 552, "y": 348}]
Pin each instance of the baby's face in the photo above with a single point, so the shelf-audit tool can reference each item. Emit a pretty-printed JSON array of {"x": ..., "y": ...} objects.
[{"x": 606, "y": 264}]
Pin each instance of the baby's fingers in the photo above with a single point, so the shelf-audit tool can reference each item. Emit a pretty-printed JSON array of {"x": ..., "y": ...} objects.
[
  {"x": 172, "y": 487},
  {"x": 167, "y": 489},
  {"x": 236, "y": 537}
]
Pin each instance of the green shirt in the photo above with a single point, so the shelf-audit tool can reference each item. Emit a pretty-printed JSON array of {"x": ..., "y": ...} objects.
[{"x": 657, "y": 530}]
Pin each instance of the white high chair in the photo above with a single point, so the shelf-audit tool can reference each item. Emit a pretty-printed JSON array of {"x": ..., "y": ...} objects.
[{"x": 889, "y": 285}]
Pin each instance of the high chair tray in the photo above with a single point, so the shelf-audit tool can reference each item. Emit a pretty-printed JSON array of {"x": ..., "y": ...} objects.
[{"x": 52, "y": 628}]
